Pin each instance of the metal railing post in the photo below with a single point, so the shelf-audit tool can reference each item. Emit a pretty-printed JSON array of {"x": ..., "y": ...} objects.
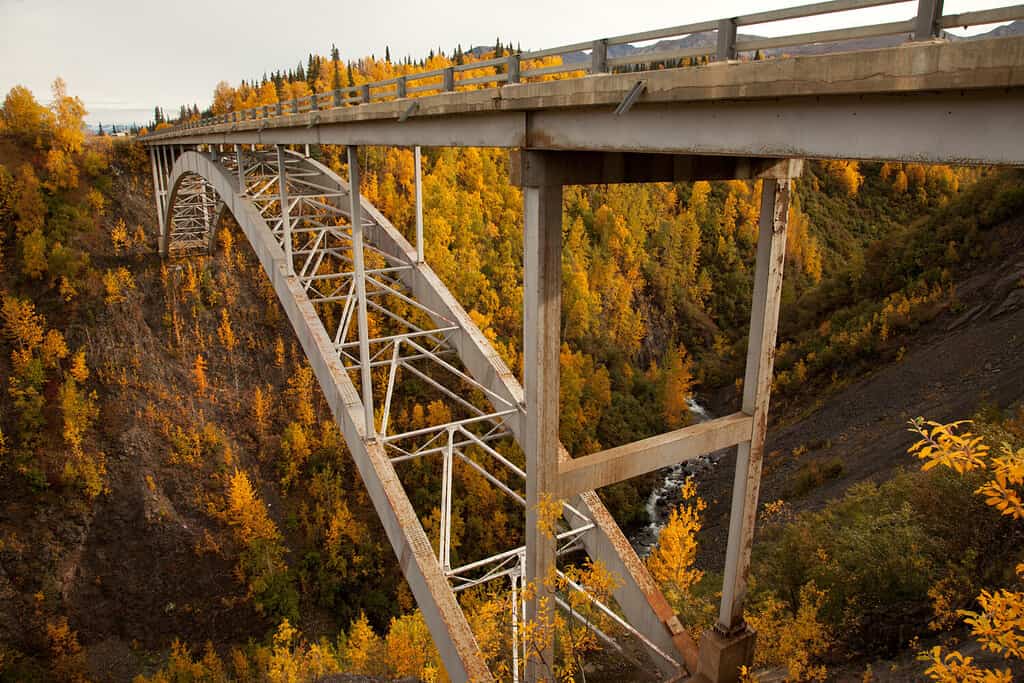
[
  {"x": 400, "y": 88},
  {"x": 419, "y": 204},
  {"x": 449, "y": 79},
  {"x": 929, "y": 20},
  {"x": 364, "y": 95},
  {"x": 356, "y": 218},
  {"x": 513, "y": 69},
  {"x": 726, "y": 46},
  {"x": 599, "y": 57}
]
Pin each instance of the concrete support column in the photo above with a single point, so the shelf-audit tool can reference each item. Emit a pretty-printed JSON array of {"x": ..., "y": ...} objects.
[
  {"x": 286, "y": 219},
  {"x": 208, "y": 218},
  {"x": 166, "y": 162},
  {"x": 419, "y": 204},
  {"x": 542, "y": 302},
  {"x": 240, "y": 162},
  {"x": 730, "y": 644},
  {"x": 356, "y": 218},
  {"x": 158, "y": 197}
]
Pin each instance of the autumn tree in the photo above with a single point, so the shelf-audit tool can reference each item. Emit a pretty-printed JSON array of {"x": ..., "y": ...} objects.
[
  {"x": 223, "y": 98},
  {"x": 259, "y": 410},
  {"x": 68, "y": 136},
  {"x": 24, "y": 118},
  {"x": 678, "y": 385},
  {"x": 79, "y": 410},
  {"x": 671, "y": 562},
  {"x": 225, "y": 333},
  {"x": 29, "y": 206},
  {"x": 25, "y": 328},
  {"x": 295, "y": 451},
  {"x": 199, "y": 375},
  {"x": 261, "y": 565},
  {"x": 846, "y": 175},
  {"x": 410, "y": 649},
  {"x": 363, "y": 648},
  {"x": 999, "y": 626}
]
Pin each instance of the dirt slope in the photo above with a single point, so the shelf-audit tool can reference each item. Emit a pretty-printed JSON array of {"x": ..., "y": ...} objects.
[{"x": 970, "y": 356}]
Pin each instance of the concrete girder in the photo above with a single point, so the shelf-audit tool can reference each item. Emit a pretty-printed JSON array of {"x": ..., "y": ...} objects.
[{"x": 925, "y": 127}]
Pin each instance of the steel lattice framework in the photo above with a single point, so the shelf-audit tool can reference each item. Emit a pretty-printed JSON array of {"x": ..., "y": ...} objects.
[{"x": 372, "y": 317}]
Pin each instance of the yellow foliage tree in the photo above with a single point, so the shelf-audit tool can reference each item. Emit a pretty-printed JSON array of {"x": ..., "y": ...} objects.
[
  {"x": 24, "y": 117},
  {"x": 410, "y": 650},
  {"x": 69, "y": 114},
  {"x": 677, "y": 388},
  {"x": 117, "y": 282},
  {"x": 259, "y": 409},
  {"x": 295, "y": 451},
  {"x": 225, "y": 333},
  {"x": 63, "y": 173},
  {"x": 999, "y": 627},
  {"x": 246, "y": 513},
  {"x": 793, "y": 641},
  {"x": 364, "y": 648},
  {"x": 33, "y": 255},
  {"x": 300, "y": 395},
  {"x": 671, "y": 562},
  {"x": 846, "y": 174},
  {"x": 199, "y": 374},
  {"x": 29, "y": 206}
]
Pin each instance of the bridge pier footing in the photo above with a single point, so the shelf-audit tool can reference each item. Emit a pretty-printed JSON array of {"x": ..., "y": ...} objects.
[{"x": 722, "y": 655}]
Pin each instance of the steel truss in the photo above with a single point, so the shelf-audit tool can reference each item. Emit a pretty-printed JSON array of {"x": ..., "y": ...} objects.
[{"x": 378, "y": 326}]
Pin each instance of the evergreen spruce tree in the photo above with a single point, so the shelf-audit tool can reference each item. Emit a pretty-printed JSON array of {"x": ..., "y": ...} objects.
[{"x": 335, "y": 68}]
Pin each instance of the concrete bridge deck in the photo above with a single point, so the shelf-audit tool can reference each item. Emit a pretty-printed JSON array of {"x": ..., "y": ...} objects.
[{"x": 935, "y": 101}]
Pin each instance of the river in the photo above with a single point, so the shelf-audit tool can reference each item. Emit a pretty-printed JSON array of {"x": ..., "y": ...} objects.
[{"x": 665, "y": 496}]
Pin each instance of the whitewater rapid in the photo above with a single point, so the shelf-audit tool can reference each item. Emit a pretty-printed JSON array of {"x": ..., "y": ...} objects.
[{"x": 665, "y": 496}]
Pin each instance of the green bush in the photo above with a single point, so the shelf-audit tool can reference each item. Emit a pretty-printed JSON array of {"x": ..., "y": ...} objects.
[{"x": 878, "y": 550}]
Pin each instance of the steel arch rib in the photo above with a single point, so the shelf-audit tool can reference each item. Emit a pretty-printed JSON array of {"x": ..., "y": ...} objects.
[{"x": 444, "y": 617}]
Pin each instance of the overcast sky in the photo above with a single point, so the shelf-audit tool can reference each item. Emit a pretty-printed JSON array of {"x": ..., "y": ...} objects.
[{"x": 120, "y": 55}]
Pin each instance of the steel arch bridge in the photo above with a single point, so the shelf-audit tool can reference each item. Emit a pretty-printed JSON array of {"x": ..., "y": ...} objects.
[{"x": 372, "y": 316}]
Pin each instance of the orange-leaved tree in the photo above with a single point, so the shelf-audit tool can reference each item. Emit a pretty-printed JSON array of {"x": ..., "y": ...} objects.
[{"x": 999, "y": 626}]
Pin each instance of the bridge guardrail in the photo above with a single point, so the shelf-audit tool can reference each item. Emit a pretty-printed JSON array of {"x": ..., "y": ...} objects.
[{"x": 927, "y": 24}]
